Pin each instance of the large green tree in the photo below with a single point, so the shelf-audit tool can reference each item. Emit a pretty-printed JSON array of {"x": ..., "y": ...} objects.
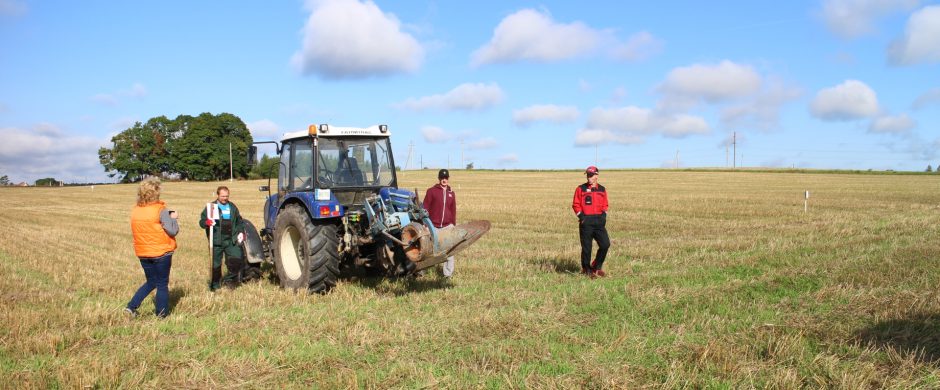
[
  {"x": 191, "y": 147},
  {"x": 48, "y": 182},
  {"x": 202, "y": 150},
  {"x": 140, "y": 150}
]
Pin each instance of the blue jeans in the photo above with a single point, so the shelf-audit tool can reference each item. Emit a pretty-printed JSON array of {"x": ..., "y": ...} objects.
[{"x": 157, "y": 270}]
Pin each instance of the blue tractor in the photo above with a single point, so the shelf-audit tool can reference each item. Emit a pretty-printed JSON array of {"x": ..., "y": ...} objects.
[{"x": 337, "y": 205}]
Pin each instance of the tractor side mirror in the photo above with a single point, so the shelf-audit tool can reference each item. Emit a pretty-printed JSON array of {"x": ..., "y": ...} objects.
[{"x": 252, "y": 155}]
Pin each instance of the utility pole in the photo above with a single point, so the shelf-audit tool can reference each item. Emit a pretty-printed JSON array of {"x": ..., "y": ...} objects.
[
  {"x": 734, "y": 143},
  {"x": 677, "y": 158},
  {"x": 231, "y": 176},
  {"x": 411, "y": 147}
]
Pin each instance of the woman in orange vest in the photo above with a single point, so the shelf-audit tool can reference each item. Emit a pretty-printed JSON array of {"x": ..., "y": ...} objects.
[{"x": 155, "y": 228}]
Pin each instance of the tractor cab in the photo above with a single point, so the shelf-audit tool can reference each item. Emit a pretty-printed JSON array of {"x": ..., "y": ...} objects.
[{"x": 331, "y": 169}]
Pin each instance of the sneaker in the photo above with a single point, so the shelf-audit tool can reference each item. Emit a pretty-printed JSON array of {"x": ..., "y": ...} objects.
[
  {"x": 587, "y": 272},
  {"x": 130, "y": 313},
  {"x": 599, "y": 273}
]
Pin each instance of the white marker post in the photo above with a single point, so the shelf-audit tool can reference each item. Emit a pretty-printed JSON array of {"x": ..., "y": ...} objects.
[
  {"x": 806, "y": 202},
  {"x": 212, "y": 212}
]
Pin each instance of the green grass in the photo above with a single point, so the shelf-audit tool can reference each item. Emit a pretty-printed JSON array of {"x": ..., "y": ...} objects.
[{"x": 717, "y": 280}]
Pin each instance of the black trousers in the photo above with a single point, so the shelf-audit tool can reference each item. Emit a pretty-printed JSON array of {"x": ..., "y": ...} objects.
[{"x": 593, "y": 228}]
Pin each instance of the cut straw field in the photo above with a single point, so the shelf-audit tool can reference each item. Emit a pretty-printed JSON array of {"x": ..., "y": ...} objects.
[{"x": 716, "y": 279}]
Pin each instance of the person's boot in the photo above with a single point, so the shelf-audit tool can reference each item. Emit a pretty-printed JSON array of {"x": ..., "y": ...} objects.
[
  {"x": 216, "y": 282},
  {"x": 234, "y": 277},
  {"x": 596, "y": 270}
]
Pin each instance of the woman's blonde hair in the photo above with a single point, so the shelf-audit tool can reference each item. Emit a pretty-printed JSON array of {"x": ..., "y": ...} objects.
[{"x": 149, "y": 191}]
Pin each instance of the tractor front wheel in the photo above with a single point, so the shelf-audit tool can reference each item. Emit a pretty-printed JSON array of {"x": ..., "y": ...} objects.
[{"x": 306, "y": 252}]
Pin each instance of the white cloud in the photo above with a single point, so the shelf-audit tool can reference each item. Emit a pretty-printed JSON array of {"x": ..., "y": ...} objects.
[
  {"x": 638, "y": 47},
  {"x": 13, "y": 8},
  {"x": 508, "y": 159},
  {"x": 435, "y": 135},
  {"x": 483, "y": 143},
  {"x": 921, "y": 40},
  {"x": 899, "y": 124},
  {"x": 628, "y": 125},
  {"x": 761, "y": 111},
  {"x": 850, "y": 100},
  {"x": 631, "y": 119},
  {"x": 931, "y": 97},
  {"x": 532, "y": 35},
  {"x": 618, "y": 95},
  {"x": 467, "y": 97},
  {"x": 123, "y": 123},
  {"x": 264, "y": 129},
  {"x": 711, "y": 83},
  {"x": 46, "y": 151},
  {"x": 853, "y": 18},
  {"x": 136, "y": 91},
  {"x": 732, "y": 138},
  {"x": 104, "y": 99},
  {"x": 584, "y": 86},
  {"x": 546, "y": 113},
  {"x": 348, "y": 39},
  {"x": 682, "y": 125},
  {"x": 588, "y": 137}
]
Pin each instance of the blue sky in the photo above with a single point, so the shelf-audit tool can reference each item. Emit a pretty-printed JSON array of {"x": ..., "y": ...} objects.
[{"x": 851, "y": 84}]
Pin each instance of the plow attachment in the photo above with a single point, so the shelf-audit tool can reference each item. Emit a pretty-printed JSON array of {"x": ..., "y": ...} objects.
[{"x": 426, "y": 248}]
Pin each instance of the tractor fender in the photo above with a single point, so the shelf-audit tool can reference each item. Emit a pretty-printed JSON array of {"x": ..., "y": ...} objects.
[{"x": 254, "y": 252}]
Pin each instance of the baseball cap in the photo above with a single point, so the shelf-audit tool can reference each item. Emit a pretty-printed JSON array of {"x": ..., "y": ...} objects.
[
  {"x": 591, "y": 170},
  {"x": 443, "y": 174}
]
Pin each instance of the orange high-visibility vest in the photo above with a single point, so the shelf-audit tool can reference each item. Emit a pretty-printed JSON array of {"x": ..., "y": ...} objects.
[{"x": 150, "y": 240}]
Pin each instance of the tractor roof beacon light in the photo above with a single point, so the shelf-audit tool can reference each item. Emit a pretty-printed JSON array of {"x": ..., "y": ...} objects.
[
  {"x": 383, "y": 128},
  {"x": 324, "y": 128},
  {"x": 312, "y": 130}
]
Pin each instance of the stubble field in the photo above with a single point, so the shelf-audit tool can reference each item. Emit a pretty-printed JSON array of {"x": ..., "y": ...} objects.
[{"x": 716, "y": 279}]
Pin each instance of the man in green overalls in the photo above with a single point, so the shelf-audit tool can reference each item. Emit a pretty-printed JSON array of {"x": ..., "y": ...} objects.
[{"x": 228, "y": 232}]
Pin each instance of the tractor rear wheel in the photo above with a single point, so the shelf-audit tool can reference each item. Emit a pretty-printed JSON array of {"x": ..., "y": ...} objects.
[{"x": 306, "y": 252}]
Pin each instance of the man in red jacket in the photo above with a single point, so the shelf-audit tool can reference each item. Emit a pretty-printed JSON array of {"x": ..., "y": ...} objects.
[
  {"x": 441, "y": 204},
  {"x": 590, "y": 205}
]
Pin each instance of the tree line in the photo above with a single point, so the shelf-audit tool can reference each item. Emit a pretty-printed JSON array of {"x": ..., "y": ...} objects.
[{"x": 186, "y": 148}]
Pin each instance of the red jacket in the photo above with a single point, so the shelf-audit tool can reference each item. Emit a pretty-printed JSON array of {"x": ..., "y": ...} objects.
[
  {"x": 441, "y": 204},
  {"x": 589, "y": 200}
]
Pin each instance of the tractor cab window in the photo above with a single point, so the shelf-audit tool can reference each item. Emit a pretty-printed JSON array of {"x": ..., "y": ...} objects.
[
  {"x": 284, "y": 166},
  {"x": 354, "y": 162},
  {"x": 301, "y": 168}
]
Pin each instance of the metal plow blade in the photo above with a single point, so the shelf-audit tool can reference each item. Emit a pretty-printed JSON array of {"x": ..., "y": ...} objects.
[
  {"x": 450, "y": 241},
  {"x": 252, "y": 244}
]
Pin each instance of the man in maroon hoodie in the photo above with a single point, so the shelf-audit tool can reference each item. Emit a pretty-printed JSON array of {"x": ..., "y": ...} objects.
[
  {"x": 590, "y": 205},
  {"x": 441, "y": 204}
]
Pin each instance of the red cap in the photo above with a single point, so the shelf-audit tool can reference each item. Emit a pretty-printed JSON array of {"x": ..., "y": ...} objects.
[{"x": 591, "y": 170}]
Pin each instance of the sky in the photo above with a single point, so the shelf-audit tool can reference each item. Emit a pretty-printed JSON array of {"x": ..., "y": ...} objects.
[{"x": 842, "y": 84}]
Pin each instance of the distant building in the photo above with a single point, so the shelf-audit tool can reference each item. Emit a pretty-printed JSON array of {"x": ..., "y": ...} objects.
[{"x": 22, "y": 184}]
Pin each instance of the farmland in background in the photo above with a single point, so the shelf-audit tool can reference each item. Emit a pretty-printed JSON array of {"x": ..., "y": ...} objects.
[{"x": 716, "y": 279}]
